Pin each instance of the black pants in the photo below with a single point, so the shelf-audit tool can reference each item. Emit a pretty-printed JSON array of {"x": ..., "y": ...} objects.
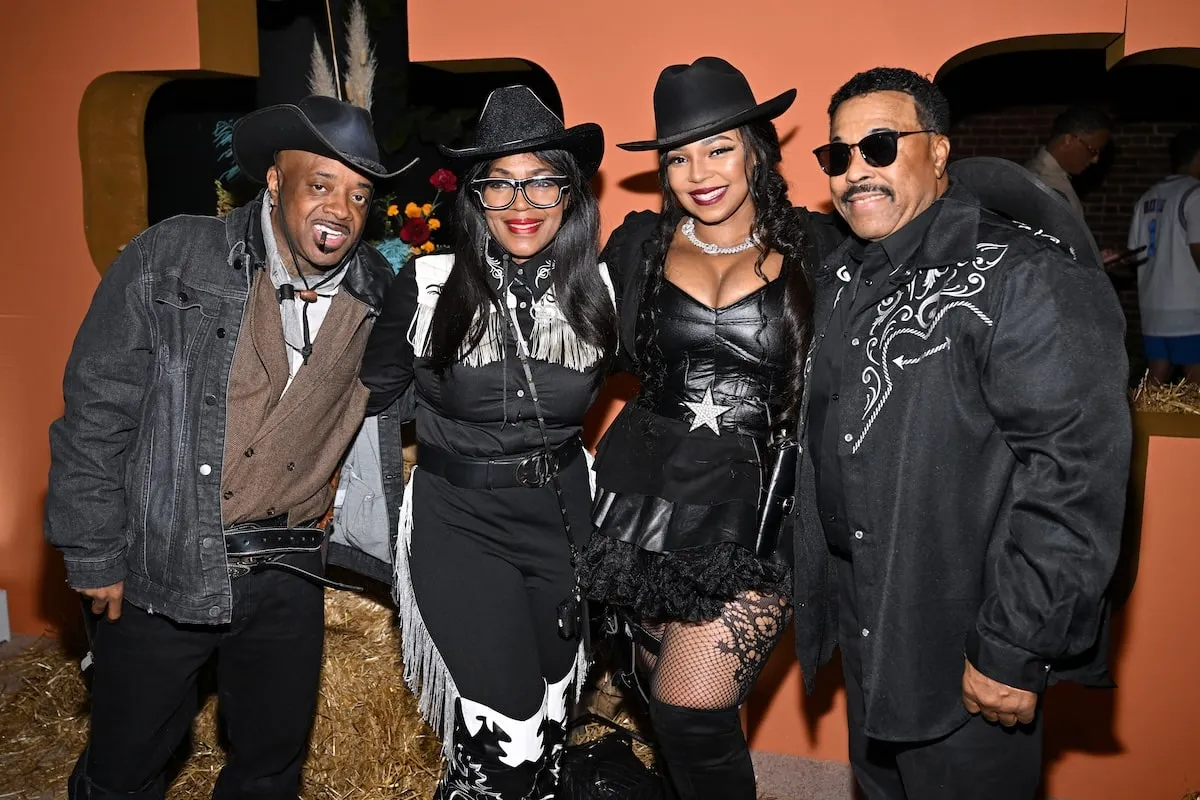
[
  {"x": 489, "y": 569},
  {"x": 980, "y": 760},
  {"x": 144, "y": 694}
]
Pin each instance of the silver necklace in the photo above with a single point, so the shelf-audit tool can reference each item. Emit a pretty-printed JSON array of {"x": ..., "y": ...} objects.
[{"x": 689, "y": 230}]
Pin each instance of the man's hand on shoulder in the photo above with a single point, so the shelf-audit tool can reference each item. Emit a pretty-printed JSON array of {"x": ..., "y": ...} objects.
[
  {"x": 106, "y": 599},
  {"x": 996, "y": 701}
]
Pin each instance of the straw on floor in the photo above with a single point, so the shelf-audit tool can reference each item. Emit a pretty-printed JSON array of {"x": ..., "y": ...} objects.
[{"x": 368, "y": 741}]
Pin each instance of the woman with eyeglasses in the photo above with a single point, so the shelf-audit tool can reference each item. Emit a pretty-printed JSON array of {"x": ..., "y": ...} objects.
[
  {"x": 505, "y": 342},
  {"x": 715, "y": 316}
]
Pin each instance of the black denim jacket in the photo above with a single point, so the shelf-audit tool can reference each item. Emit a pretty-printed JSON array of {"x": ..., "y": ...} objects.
[
  {"x": 136, "y": 457},
  {"x": 984, "y": 440}
]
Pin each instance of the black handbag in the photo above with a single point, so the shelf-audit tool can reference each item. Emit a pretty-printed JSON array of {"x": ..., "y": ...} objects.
[
  {"x": 607, "y": 768},
  {"x": 777, "y": 496}
]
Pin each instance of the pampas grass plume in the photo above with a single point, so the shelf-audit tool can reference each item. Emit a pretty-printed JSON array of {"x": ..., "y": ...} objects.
[
  {"x": 320, "y": 76},
  {"x": 360, "y": 58}
]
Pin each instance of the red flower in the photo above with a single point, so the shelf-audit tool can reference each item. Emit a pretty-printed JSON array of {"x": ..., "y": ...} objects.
[
  {"x": 415, "y": 231},
  {"x": 444, "y": 181}
]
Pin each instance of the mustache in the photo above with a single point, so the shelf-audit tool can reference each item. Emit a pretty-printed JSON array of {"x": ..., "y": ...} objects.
[{"x": 867, "y": 188}]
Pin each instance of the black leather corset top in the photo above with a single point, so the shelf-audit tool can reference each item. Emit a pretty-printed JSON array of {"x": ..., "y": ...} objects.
[{"x": 725, "y": 367}]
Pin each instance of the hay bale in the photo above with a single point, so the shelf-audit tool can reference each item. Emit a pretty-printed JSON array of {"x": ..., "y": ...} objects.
[
  {"x": 368, "y": 740},
  {"x": 606, "y": 698},
  {"x": 1170, "y": 398},
  {"x": 43, "y": 721}
]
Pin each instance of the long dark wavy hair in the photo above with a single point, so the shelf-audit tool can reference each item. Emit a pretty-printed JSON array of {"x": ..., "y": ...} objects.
[
  {"x": 779, "y": 227},
  {"x": 460, "y": 319}
]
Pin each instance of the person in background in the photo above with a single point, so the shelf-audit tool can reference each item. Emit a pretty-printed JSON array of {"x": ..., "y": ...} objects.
[
  {"x": 1166, "y": 223},
  {"x": 1078, "y": 137}
]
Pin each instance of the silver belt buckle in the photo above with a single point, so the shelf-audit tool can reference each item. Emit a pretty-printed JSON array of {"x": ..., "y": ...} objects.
[
  {"x": 240, "y": 566},
  {"x": 536, "y": 470}
]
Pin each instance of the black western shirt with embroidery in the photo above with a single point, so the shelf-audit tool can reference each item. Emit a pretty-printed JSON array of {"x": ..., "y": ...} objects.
[
  {"x": 976, "y": 455},
  {"x": 869, "y": 268},
  {"x": 482, "y": 407}
]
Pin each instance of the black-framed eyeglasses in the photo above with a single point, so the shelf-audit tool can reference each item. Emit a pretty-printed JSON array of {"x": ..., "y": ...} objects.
[
  {"x": 877, "y": 149},
  {"x": 540, "y": 191},
  {"x": 1094, "y": 152}
]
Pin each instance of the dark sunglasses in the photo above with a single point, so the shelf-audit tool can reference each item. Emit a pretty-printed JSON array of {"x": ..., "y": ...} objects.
[{"x": 877, "y": 149}]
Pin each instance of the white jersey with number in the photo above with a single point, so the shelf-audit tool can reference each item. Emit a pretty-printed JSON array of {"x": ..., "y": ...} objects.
[{"x": 1166, "y": 221}]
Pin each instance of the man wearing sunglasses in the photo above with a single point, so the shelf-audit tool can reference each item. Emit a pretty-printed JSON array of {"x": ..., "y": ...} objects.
[{"x": 968, "y": 450}]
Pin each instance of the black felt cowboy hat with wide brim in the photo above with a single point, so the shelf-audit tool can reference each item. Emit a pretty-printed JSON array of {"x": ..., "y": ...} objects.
[
  {"x": 708, "y": 96},
  {"x": 323, "y": 125},
  {"x": 1010, "y": 190},
  {"x": 515, "y": 120}
]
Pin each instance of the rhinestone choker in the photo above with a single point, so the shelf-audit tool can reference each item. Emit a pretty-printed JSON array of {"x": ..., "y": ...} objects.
[{"x": 689, "y": 230}]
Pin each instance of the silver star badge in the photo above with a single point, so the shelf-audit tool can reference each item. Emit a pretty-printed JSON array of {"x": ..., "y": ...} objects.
[{"x": 707, "y": 412}]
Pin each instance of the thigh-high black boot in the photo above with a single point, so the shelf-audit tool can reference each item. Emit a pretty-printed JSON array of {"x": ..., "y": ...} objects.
[{"x": 705, "y": 752}]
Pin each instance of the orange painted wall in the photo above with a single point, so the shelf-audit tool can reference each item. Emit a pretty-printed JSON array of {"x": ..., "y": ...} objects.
[
  {"x": 605, "y": 58},
  {"x": 1143, "y": 740},
  {"x": 49, "y": 54},
  {"x": 1163, "y": 30}
]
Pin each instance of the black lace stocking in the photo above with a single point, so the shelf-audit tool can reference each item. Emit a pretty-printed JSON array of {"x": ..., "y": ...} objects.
[{"x": 713, "y": 665}]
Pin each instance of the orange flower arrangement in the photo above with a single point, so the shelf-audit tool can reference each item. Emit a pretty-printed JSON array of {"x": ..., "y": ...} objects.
[{"x": 410, "y": 229}]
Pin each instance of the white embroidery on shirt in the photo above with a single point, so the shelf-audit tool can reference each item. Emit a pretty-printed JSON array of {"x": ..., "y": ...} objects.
[{"x": 915, "y": 311}]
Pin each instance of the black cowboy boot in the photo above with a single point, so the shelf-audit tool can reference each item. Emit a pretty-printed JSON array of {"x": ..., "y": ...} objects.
[
  {"x": 704, "y": 752},
  {"x": 475, "y": 770},
  {"x": 554, "y": 737}
]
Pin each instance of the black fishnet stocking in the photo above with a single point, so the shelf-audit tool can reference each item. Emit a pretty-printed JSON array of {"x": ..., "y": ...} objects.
[{"x": 713, "y": 665}]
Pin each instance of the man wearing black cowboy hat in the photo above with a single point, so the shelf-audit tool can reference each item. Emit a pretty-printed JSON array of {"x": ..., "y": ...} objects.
[
  {"x": 210, "y": 394},
  {"x": 968, "y": 447}
]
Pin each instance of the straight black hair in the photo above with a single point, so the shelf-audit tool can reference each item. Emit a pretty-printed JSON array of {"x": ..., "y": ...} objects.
[{"x": 460, "y": 319}]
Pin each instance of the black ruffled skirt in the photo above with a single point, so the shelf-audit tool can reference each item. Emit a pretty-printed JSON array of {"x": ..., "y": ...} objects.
[{"x": 676, "y": 512}]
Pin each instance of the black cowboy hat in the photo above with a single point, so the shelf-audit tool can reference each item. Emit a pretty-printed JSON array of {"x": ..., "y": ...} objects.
[
  {"x": 515, "y": 120},
  {"x": 708, "y": 96},
  {"x": 323, "y": 125},
  {"x": 1012, "y": 191}
]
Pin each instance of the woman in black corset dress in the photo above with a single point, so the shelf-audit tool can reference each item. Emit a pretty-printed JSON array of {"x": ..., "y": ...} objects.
[
  {"x": 715, "y": 313},
  {"x": 505, "y": 342}
]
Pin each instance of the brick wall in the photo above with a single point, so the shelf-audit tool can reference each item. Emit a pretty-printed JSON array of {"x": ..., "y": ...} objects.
[
  {"x": 1004, "y": 105},
  {"x": 1135, "y": 161}
]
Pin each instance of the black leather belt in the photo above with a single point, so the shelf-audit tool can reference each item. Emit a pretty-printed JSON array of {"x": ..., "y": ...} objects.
[
  {"x": 533, "y": 470},
  {"x": 269, "y": 541},
  {"x": 270, "y": 544}
]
